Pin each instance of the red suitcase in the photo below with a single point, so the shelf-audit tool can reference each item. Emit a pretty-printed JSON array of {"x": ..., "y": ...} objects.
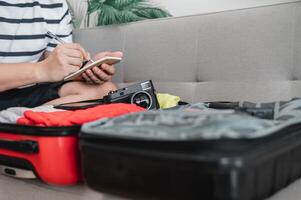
[{"x": 48, "y": 153}]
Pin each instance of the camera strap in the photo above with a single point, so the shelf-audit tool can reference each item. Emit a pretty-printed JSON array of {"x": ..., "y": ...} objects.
[{"x": 80, "y": 104}]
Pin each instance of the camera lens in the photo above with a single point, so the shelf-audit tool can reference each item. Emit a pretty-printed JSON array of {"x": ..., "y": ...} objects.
[{"x": 142, "y": 99}]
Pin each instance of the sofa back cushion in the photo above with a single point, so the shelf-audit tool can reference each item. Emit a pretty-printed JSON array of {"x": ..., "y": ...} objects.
[{"x": 249, "y": 54}]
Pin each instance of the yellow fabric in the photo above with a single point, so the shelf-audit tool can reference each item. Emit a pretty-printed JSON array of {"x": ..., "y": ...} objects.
[{"x": 167, "y": 100}]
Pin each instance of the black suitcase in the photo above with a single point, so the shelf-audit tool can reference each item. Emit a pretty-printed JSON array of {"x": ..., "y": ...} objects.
[{"x": 120, "y": 157}]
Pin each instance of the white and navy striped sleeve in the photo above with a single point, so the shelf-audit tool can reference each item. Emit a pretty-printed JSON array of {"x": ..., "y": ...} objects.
[
  {"x": 64, "y": 29},
  {"x": 23, "y": 28}
]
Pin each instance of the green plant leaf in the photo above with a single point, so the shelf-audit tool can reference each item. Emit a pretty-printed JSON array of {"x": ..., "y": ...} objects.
[
  {"x": 151, "y": 13},
  {"x": 127, "y": 4},
  {"x": 94, "y": 5},
  {"x": 122, "y": 11},
  {"x": 127, "y": 16},
  {"x": 108, "y": 15}
]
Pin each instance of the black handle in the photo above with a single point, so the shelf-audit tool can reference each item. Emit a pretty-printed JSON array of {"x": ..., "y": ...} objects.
[
  {"x": 24, "y": 146},
  {"x": 223, "y": 105}
]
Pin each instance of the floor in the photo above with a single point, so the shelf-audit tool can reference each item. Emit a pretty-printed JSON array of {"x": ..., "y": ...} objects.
[{"x": 12, "y": 189}]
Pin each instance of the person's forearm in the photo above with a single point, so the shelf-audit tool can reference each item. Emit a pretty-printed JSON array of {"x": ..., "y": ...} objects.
[
  {"x": 53, "y": 67},
  {"x": 16, "y": 75}
]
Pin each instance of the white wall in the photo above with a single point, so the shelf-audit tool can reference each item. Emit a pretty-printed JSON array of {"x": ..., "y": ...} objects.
[{"x": 189, "y": 7}]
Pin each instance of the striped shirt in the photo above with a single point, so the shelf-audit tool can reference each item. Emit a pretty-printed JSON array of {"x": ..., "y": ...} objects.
[{"x": 23, "y": 28}]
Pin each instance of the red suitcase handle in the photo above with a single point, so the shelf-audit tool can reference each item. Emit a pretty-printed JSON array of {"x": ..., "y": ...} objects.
[{"x": 23, "y": 146}]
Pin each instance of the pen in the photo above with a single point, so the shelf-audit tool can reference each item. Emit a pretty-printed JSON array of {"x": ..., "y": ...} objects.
[{"x": 53, "y": 36}]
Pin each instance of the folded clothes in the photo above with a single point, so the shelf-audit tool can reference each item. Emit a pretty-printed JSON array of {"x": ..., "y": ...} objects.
[
  {"x": 77, "y": 117},
  {"x": 167, "y": 100},
  {"x": 11, "y": 115}
]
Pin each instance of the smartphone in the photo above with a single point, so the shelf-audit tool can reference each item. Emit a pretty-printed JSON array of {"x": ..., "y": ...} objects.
[{"x": 108, "y": 59}]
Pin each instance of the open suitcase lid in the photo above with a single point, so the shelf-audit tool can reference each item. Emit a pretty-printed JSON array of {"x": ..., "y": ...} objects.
[
  {"x": 170, "y": 131},
  {"x": 198, "y": 124},
  {"x": 176, "y": 126}
]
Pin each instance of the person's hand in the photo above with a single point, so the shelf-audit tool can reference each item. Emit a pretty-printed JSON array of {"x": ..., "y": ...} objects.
[
  {"x": 102, "y": 73},
  {"x": 64, "y": 60}
]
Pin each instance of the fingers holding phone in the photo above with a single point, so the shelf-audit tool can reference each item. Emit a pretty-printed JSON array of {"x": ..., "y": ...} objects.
[
  {"x": 103, "y": 72},
  {"x": 98, "y": 75}
]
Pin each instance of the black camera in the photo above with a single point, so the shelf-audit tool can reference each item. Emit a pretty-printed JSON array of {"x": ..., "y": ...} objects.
[{"x": 141, "y": 94}]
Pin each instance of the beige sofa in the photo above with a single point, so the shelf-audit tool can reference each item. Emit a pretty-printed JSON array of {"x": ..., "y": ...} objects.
[{"x": 249, "y": 54}]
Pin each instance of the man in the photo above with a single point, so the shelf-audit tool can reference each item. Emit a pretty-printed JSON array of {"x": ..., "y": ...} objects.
[{"x": 29, "y": 57}]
